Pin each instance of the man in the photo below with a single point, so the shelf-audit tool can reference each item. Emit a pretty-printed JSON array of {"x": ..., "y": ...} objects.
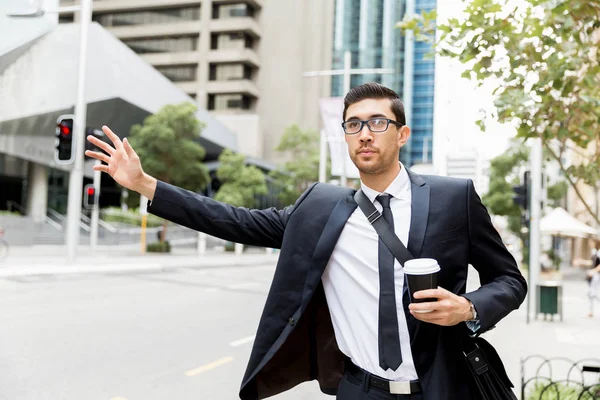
[
  {"x": 324, "y": 318},
  {"x": 593, "y": 278}
]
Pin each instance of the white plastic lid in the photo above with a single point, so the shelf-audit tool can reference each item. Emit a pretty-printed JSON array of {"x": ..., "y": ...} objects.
[{"x": 421, "y": 266}]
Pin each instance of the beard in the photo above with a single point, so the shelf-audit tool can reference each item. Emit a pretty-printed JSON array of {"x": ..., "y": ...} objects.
[{"x": 371, "y": 166}]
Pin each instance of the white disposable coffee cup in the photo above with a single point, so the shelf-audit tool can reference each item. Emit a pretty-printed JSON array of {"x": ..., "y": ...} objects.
[{"x": 421, "y": 274}]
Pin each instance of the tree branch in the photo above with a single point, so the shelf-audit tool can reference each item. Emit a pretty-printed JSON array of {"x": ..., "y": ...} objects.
[{"x": 573, "y": 184}]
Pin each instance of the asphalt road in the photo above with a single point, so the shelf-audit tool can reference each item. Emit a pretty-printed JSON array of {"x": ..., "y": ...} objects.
[
  {"x": 181, "y": 334},
  {"x": 186, "y": 333}
]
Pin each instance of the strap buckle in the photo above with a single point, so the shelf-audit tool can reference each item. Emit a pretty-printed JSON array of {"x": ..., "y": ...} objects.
[
  {"x": 374, "y": 216},
  {"x": 399, "y": 387}
]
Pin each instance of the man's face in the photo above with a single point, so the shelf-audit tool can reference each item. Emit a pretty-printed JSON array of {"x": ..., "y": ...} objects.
[{"x": 375, "y": 152}]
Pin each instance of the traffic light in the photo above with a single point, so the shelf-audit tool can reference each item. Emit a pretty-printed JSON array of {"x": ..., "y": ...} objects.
[
  {"x": 90, "y": 197},
  {"x": 63, "y": 152},
  {"x": 521, "y": 193}
]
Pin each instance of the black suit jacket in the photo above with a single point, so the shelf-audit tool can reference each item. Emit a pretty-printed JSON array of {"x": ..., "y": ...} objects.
[{"x": 295, "y": 341}]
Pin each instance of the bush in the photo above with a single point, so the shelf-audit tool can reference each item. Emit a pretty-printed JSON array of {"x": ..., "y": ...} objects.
[
  {"x": 10, "y": 213},
  {"x": 159, "y": 247},
  {"x": 558, "y": 390},
  {"x": 131, "y": 217}
]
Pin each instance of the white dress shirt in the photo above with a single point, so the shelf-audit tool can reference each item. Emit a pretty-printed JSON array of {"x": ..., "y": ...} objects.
[{"x": 351, "y": 284}]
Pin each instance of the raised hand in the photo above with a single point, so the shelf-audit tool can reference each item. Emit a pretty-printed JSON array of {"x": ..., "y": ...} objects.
[{"x": 122, "y": 164}]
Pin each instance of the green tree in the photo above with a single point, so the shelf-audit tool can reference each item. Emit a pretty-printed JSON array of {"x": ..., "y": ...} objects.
[
  {"x": 504, "y": 174},
  {"x": 240, "y": 183},
  {"x": 296, "y": 175},
  {"x": 543, "y": 56},
  {"x": 166, "y": 144}
]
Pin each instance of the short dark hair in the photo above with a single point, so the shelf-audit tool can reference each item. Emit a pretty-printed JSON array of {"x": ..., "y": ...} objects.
[{"x": 374, "y": 90}]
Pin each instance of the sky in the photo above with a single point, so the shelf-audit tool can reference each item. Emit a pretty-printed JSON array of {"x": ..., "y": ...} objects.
[{"x": 458, "y": 103}]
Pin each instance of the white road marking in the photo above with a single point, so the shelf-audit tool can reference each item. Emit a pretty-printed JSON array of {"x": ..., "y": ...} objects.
[
  {"x": 208, "y": 367},
  {"x": 240, "y": 342}
]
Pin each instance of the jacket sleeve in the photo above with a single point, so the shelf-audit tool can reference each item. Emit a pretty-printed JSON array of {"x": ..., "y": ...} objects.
[
  {"x": 503, "y": 287},
  {"x": 236, "y": 224}
]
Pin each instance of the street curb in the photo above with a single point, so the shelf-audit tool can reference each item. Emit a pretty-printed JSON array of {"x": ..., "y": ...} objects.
[{"x": 51, "y": 269}]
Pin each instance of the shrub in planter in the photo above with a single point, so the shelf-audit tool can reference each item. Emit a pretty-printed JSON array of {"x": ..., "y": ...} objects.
[
  {"x": 159, "y": 247},
  {"x": 559, "y": 390}
]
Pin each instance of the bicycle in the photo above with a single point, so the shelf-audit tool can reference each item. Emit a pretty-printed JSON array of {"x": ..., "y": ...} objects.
[{"x": 3, "y": 246}]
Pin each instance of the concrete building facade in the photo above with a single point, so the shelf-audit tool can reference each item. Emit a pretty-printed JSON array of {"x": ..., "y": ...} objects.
[{"x": 242, "y": 60}]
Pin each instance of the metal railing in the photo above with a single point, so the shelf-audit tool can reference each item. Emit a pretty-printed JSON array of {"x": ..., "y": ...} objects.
[{"x": 560, "y": 378}]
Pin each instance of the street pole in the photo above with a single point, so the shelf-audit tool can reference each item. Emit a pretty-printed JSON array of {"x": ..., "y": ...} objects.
[
  {"x": 347, "y": 75},
  {"x": 534, "y": 223},
  {"x": 96, "y": 210},
  {"x": 76, "y": 175},
  {"x": 323, "y": 157}
]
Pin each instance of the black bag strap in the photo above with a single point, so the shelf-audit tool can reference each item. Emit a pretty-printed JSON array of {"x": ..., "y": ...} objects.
[{"x": 382, "y": 228}]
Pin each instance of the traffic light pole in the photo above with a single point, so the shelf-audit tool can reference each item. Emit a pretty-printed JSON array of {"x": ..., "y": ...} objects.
[
  {"x": 534, "y": 223},
  {"x": 76, "y": 175},
  {"x": 96, "y": 210}
]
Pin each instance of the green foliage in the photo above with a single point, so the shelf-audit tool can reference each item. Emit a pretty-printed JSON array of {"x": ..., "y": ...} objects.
[
  {"x": 10, "y": 213},
  {"x": 167, "y": 145},
  {"x": 556, "y": 193},
  {"x": 130, "y": 217},
  {"x": 158, "y": 247},
  {"x": 296, "y": 175},
  {"x": 504, "y": 174},
  {"x": 240, "y": 183},
  {"x": 559, "y": 390},
  {"x": 543, "y": 56}
]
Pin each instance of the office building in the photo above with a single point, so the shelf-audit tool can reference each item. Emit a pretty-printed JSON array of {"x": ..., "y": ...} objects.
[{"x": 241, "y": 60}]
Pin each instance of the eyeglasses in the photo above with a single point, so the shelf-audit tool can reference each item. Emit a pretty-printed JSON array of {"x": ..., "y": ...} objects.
[{"x": 375, "y": 125}]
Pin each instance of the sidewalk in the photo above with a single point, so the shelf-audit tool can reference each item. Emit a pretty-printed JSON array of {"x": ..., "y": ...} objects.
[{"x": 51, "y": 259}]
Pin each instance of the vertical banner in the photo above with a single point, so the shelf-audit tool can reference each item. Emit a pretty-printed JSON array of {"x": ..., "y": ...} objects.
[{"x": 331, "y": 114}]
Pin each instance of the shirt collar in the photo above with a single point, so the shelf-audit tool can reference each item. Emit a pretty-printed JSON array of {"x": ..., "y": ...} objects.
[{"x": 399, "y": 188}]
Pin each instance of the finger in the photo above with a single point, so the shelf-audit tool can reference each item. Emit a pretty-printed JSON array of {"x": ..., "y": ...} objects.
[
  {"x": 98, "y": 156},
  {"x": 128, "y": 149},
  {"x": 431, "y": 317},
  {"x": 100, "y": 144},
  {"x": 426, "y": 306},
  {"x": 430, "y": 294},
  {"x": 113, "y": 138},
  {"x": 101, "y": 168}
]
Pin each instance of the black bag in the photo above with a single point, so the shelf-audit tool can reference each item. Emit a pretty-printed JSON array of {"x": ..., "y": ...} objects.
[{"x": 490, "y": 381}]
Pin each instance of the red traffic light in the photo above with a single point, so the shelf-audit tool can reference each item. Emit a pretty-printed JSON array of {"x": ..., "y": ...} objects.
[
  {"x": 64, "y": 130},
  {"x": 91, "y": 191}
]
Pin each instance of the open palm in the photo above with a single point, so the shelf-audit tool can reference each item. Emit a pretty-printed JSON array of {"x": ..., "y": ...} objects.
[{"x": 121, "y": 163}]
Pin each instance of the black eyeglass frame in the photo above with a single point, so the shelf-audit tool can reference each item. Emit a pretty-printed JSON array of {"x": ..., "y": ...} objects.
[{"x": 366, "y": 122}]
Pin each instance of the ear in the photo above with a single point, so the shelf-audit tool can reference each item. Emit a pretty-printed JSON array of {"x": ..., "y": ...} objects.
[{"x": 403, "y": 135}]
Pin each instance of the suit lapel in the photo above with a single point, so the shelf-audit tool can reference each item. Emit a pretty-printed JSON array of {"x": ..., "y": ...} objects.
[
  {"x": 333, "y": 228},
  {"x": 419, "y": 213}
]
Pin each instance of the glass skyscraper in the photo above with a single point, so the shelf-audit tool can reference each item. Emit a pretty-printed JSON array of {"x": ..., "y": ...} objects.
[{"x": 366, "y": 29}]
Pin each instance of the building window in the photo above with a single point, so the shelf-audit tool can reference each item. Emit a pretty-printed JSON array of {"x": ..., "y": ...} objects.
[
  {"x": 225, "y": 41},
  {"x": 179, "y": 73},
  {"x": 232, "y": 11},
  {"x": 221, "y": 102},
  {"x": 66, "y": 19},
  {"x": 229, "y": 72},
  {"x": 163, "y": 45},
  {"x": 160, "y": 16}
]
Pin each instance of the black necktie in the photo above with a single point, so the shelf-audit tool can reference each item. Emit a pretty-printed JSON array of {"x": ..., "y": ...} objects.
[{"x": 390, "y": 355}]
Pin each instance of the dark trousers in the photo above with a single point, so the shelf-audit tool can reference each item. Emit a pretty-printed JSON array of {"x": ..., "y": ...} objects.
[{"x": 352, "y": 388}]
